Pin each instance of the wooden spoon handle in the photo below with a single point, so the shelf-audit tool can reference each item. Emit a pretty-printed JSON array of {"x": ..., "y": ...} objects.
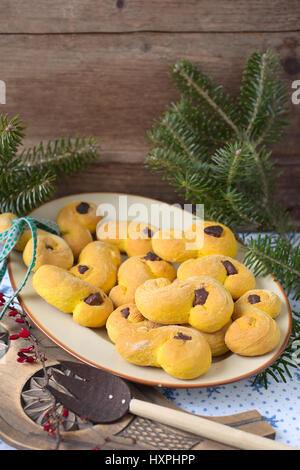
[{"x": 204, "y": 427}]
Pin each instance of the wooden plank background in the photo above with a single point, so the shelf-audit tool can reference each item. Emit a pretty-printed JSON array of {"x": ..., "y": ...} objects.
[{"x": 101, "y": 68}]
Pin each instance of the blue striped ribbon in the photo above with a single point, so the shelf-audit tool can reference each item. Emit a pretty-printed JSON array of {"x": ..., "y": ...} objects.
[{"x": 9, "y": 238}]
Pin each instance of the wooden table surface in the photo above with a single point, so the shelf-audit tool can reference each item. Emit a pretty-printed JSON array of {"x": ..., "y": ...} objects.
[{"x": 101, "y": 68}]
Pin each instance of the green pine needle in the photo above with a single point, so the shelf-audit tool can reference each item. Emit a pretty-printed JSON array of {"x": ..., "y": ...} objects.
[
  {"x": 27, "y": 178},
  {"x": 213, "y": 150},
  {"x": 63, "y": 156}
]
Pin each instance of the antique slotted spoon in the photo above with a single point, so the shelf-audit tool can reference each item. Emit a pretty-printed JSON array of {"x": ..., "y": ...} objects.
[{"x": 102, "y": 397}]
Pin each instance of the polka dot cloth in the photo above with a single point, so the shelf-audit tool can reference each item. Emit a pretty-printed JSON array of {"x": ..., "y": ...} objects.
[{"x": 279, "y": 404}]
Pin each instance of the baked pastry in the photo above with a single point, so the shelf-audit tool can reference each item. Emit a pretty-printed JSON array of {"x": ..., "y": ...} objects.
[
  {"x": 201, "y": 301},
  {"x": 98, "y": 265},
  {"x": 78, "y": 222},
  {"x": 217, "y": 238},
  {"x": 253, "y": 334},
  {"x": 263, "y": 299},
  {"x": 131, "y": 237},
  {"x": 134, "y": 272},
  {"x": 172, "y": 246},
  {"x": 89, "y": 304},
  {"x": 216, "y": 340},
  {"x": 200, "y": 239},
  {"x": 126, "y": 318},
  {"x": 234, "y": 275},
  {"x": 51, "y": 249},
  {"x": 181, "y": 351},
  {"x": 6, "y": 222}
]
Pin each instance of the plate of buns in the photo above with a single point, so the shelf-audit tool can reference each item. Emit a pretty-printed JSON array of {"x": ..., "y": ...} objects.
[{"x": 155, "y": 304}]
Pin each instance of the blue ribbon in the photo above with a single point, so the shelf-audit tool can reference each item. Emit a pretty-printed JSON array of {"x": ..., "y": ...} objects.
[{"x": 10, "y": 238}]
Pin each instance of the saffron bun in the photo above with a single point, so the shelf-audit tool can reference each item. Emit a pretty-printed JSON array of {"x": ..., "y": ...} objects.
[
  {"x": 131, "y": 237},
  {"x": 98, "y": 264},
  {"x": 200, "y": 301},
  {"x": 124, "y": 318},
  {"x": 89, "y": 305},
  {"x": 6, "y": 220},
  {"x": 216, "y": 340},
  {"x": 253, "y": 334},
  {"x": 134, "y": 272},
  {"x": 78, "y": 221},
  {"x": 51, "y": 249},
  {"x": 200, "y": 239},
  {"x": 236, "y": 277},
  {"x": 180, "y": 351},
  {"x": 265, "y": 300}
]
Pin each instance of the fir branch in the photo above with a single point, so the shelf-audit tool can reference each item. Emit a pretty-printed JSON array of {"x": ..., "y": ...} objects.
[
  {"x": 63, "y": 156},
  {"x": 269, "y": 254},
  {"x": 23, "y": 191},
  {"x": 245, "y": 211},
  {"x": 263, "y": 99},
  {"x": 190, "y": 80},
  {"x": 216, "y": 155},
  {"x": 27, "y": 179},
  {"x": 234, "y": 164},
  {"x": 11, "y": 135}
]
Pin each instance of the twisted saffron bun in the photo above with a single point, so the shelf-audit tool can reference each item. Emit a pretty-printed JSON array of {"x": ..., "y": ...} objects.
[
  {"x": 216, "y": 340},
  {"x": 6, "y": 220},
  {"x": 234, "y": 275},
  {"x": 126, "y": 318},
  {"x": 181, "y": 351},
  {"x": 134, "y": 272},
  {"x": 253, "y": 334},
  {"x": 98, "y": 265},
  {"x": 131, "y": 237},
  {"x": 89, "y": 304},
  {"x": 51, "y": 249},
  {"x": 263, "y": 299},
  {"x": 77, "y": 222},
  {"x": 201, "y": 301},
  {"x": 198, "y": 240}
]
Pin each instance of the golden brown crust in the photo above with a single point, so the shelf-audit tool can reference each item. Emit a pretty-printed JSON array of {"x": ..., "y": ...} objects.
[
  {"x": 201, "y": 301},
  {"x": 134, "y": 272},
  {"x": 216, "y": 340},
  {"x": 78, "y": 221},
  {"x": 263, "y": 299},
  {"x": 181, "y": 351},
  {"x": 131, "y": 237},
  {"x": 253, "y": 334},
  {"x": 234, "y": 275},
  {"x": 198, "y": 240},
  {"x": 98, "y": 264},
  {"x": 90, "y": 305},
  {"x": 50, "y": 249}
]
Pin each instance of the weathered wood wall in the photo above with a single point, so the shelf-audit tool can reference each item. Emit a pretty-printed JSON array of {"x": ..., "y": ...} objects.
[{"x": 100, "y": 67}]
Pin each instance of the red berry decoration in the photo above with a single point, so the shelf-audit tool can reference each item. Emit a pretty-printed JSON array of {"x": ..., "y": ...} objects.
[
  {"x": 24, "y": 333},
  {"x": 13, "y": 337}
]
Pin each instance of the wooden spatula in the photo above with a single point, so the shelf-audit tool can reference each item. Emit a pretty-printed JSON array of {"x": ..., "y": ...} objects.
[{"x": 102, "y": 397}]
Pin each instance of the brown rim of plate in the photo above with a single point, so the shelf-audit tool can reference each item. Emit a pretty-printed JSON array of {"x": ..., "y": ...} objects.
[{"x": 141, "y": 381}]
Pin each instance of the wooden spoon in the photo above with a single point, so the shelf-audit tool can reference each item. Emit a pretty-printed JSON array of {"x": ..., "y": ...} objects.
[{"x": 102, "y": 397}]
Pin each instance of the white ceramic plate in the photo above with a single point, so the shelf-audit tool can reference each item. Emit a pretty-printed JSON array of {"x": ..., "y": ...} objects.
[{"x": 93, "y": 346}]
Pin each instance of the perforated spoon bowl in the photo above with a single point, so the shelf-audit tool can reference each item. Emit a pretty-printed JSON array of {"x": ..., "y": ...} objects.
[{"x": 102, "y": 397}]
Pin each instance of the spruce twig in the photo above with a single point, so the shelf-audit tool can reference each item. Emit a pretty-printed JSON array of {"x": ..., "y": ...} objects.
[
  {"x": 217, "y": 155},
  {"x": 28, "y": 176}
]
